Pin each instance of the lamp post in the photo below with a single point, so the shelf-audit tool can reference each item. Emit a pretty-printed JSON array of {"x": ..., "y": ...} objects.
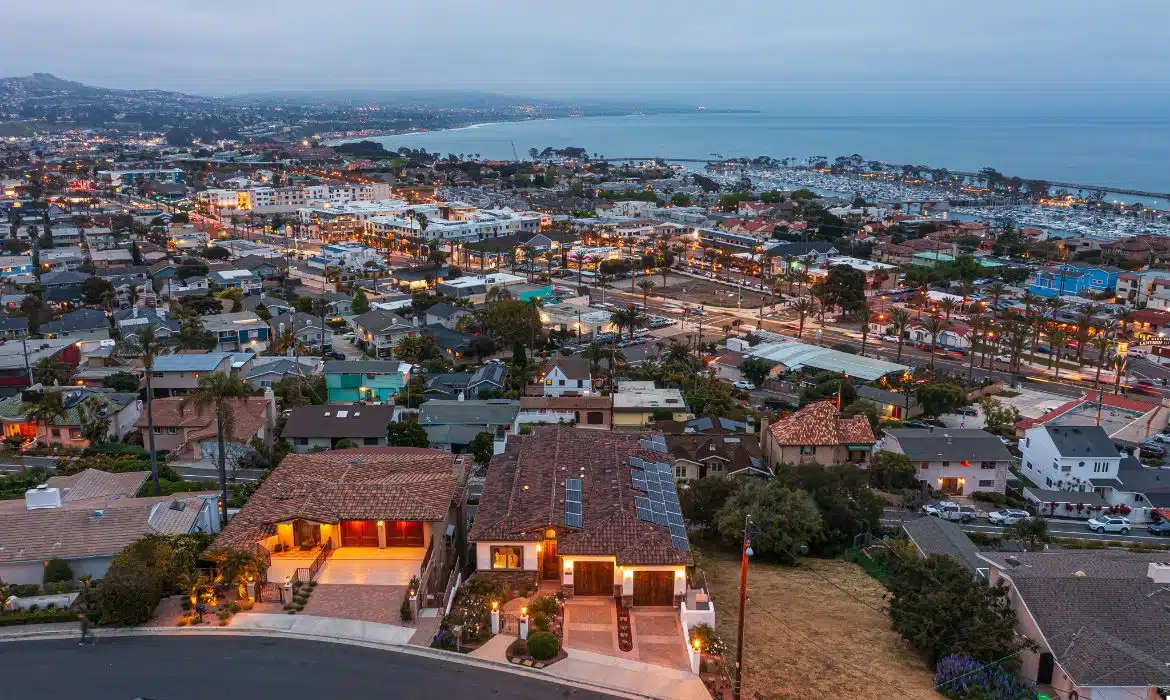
[{"x": 743, "y": 577}]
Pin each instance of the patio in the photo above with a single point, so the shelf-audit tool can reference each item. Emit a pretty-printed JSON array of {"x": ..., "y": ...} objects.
[{"x": 370, "y": 566}]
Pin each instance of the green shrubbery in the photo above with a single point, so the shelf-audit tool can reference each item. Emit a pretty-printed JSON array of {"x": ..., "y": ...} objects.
[
  {"x": 58, "y": 571},
  {"x": 128, "y": 594},
  {"x": 543, "y": 646}
]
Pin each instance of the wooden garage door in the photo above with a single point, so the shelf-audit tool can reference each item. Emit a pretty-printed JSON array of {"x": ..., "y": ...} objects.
[
  {"x": 359, "y": 533},
  {"x": 593, "y": 578},
  {"x": 404, "y": 533},
  {"x": 654, "y": 588}
]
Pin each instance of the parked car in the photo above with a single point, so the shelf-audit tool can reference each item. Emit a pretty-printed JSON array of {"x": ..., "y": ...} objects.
[
  {"x": 1152, "y": 448},
  {"x": 915, "y": 423},
  {"x": 744, "y": 384},
  {"x": 967, "y": 411},
  {"x": 1007, "y": 516},
  {"x": 951, "y": 511},
  {"x": 1161, "y": 529},
  {"x": 1109, "y": 523},
  {"x": 1162, "y": 437}
]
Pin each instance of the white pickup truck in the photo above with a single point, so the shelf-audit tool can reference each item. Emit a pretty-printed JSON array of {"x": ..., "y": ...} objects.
[{"x": 951, "y": 511}]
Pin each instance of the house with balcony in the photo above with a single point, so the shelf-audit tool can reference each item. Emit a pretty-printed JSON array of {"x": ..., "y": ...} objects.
[
  {"x": 380, "y": 331},
  {"x": 244, "y": 280},
  {"x": 192, "y": 438},
  {"x": 131, "y": 322},
  {"x": 1072, "y": 279},
  {"x": 956, "y": 461},
  {"x": 1097, "y": 617},
  {"x": 347, "y": 381},
  {"x": 306, "y": 328},
  {"x": 720, "y": 456},
  {"x": 595, "y": 513},
  {"x": 817, "y": 433},
  {"x": 241, "y": 331},
  {"x": 378, "y": 517},
  {"x": 178, "y": 374}
]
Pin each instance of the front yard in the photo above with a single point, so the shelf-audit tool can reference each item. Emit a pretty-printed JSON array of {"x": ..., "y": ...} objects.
[{"x": 818, "y": 641}]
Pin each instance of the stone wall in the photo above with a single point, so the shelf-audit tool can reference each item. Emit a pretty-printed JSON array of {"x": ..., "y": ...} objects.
[{"x": 515, "y": 581}]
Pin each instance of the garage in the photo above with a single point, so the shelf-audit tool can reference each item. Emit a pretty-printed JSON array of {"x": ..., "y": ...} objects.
[
  {"x": 404, "y": 533},
  {"x": 359, "y": 533},
  {"x": 593, "y": 578},
  {"x": 654, "y": 588}
]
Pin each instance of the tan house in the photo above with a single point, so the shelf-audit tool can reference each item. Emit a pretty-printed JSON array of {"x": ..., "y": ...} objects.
[
  {"x": 375, "y": 516},
  {"x": 193, "y": 437},
  {"x": 178, "y": 374},
  {"x": 817, "y": 433},
  {"x": 594, "y": 412}
]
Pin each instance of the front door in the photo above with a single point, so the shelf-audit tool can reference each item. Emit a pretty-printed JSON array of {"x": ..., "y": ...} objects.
[
  {"x": 306, "y": 534},
  {"x": 593, "y": 578},
  {"x": 551, "y": 563},
  {"x": 951, "y": 485},
  {"x": 359, "y": 533},
  {"x": 1044, "y": 671},
  {"x": 654, "y": 588}
]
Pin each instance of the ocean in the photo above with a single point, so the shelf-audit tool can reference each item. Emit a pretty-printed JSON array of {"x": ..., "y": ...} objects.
[{"x": 1126, "y": 152}]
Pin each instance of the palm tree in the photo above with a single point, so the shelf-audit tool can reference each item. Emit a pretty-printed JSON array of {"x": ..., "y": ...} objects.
[
  {"x": 900, "y": 322},
  {"x": 1103, "y": 343},
  {"x": 803, "y": 306},
  {"x": 863, "y": 316},
  {"x": 919, "y": 299},
  {"x": 996, "y": 291},
  {"x": 947, "y": 306},
  {"x": 646, "y": 285},
  {"x": 218, "y": 392},
  {"x": 978, "y": 326},
  {"x": 45, "y": 412},
  {"x": 630, "y": 317},
  {"x": 1056, "y": 337},
  {"x": 679, "y": 355},
  {"x": 149, "y": 347},
  {"x": 1029, "y": 300},
  {"x": 1084, "y": 324},
  {"x": 594, "y": 354},
  {"x": 934, "y": 325}
]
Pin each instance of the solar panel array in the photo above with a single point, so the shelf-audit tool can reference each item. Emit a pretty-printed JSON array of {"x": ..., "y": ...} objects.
[
  {"x": 660, "y": 504},
  {"x": 573, "y": 502},
  {"x": 656, "y": 443}
]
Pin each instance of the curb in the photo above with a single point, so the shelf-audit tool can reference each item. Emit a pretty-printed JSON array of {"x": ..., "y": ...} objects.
[{"x": 425, "y": 652}]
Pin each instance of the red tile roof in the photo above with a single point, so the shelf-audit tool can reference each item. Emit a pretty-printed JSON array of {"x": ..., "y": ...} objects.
[
  {"x": 380, "y": 483},
  {"x": 819, "y": 424},
  {"x": 525, "y": 491}
]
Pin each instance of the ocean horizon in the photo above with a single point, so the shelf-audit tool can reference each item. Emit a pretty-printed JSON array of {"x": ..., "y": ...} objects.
[{"x": 1121, "y": 152}]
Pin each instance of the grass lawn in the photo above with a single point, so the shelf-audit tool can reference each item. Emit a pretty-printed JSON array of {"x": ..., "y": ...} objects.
[{"x": 818, "y": 641}]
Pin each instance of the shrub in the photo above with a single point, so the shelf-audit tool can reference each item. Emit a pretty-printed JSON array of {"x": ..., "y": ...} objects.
[
  {"x": 962, "y": 677},
  {"x": 540, "y": 622},
  {"x": 58, "y": 570},
  {"x": 234, "y": 608},
  {"x": 709, "y": 640},
  {"x": 185, "y": 604},
  {"x": 31, "y": 618},
  {"x": 24, "y": 590},
  {"x": 542, "y": 646},
  {"x": 546, "y": 605},
  {"x": 404, "y": 611},
  {"x": 518, "y": 648},
  {"x": 170, "y": 555},
  {"x": 128, "y": 594}
]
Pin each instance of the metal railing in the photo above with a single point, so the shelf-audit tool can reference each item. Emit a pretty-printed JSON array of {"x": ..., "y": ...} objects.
[
  {"x": 319, "y": 561},
  {"x": 425, "y": 574}
]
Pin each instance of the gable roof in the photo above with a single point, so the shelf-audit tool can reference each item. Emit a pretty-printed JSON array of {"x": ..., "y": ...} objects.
[
  {"x": 445, "y": 310},
  {"x": 491, "y": 373},
  {"x": 63, "y": 277},
  {"x": 1081, "y": 441},
  {"x": 376, "y": 321},
  {"x": 935, "y": 536},
  {"x": 338, "y": 422},
  {"x": 94, "y": 483},
  {"x": 740, "y": 452},
  {"x": 950, "y": 444},
  {"x": 1101, "y": 614},
  {"x": 573, "y": 367},
  {"x": 79, "y": 320},
  {"x": 523, "y": 495},
  {"x": 454, "y": 412},
  {"x": 818, "y": 424},
  {"x": 382, "y": 483}
]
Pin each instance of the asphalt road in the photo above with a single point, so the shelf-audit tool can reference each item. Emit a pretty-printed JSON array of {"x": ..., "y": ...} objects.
[
  {"x": 1056, "y": 528},
  {"x": 248, "y": 668}
]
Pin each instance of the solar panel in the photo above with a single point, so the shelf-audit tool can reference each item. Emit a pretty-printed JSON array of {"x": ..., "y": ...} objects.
[
  {"x": 674, "y": 519},
  {"x": 680, "y": 543},
  {"x": 658, "y": 506},
  {"x": 573, "y": 485},
  {"x": 574, "y": 520},
  {"x": 640, "y": 502},
  {"x": 678, "y": 531},
  {"x": 664, "y": 468},
  {"x": 638, "y": 482},
  {"x": 637, "y": 462},
  {"x": 660, "y": 518},
  {"x": 573, "y": 507}
]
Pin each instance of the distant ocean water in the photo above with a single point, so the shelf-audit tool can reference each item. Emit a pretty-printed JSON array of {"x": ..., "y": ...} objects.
[{"x": 1127, "y": 152}]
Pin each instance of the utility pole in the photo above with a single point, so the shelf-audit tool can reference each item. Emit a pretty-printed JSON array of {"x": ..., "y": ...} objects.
[
  {"x": 27, "y": 370},
  {"x": 743, "y": 577}
]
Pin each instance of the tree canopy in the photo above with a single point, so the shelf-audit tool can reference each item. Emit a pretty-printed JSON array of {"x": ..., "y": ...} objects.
[{"x": 407, "y": 433}]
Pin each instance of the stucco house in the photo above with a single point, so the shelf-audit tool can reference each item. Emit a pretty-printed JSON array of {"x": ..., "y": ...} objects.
[
  {"x": 194, "y": 437},
  {"x": 956, "y": 461},
  {"x": 817, "y": 433}
]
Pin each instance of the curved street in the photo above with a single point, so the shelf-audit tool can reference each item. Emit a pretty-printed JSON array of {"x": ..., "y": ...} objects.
[{"x": 247, "y": 668}]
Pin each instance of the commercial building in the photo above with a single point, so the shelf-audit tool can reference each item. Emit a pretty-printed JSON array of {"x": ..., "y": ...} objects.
[{"x": 120, "y": 178}]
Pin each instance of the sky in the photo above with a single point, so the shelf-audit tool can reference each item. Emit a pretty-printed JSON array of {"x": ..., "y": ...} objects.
[{"x": 725, "y": 53}]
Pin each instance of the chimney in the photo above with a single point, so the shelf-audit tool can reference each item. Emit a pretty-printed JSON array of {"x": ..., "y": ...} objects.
[
  {"x": 1159, "y": 572},
  {"x": 42, "y": 497}
]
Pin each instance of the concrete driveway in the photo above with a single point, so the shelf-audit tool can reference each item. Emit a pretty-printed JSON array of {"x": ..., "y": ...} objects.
[{"x": 346, "y": 347}]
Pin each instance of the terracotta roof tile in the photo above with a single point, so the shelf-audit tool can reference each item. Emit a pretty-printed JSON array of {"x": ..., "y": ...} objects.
[
  {"x": 383, "y": 483},
  {"x": 819, "y": 424},
  {"x": 525, "y": 490}
]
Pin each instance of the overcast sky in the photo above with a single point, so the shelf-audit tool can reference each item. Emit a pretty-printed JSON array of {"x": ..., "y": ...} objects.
[{"x": 684, "y": 49}]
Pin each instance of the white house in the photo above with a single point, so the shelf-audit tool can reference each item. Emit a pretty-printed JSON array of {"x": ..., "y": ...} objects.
[
  {"x": 957, "y": 461},
  {"x": 1068, "y": 457},
  {"x": 568, "y": 376},
  {"x": 955, "y": 336}
]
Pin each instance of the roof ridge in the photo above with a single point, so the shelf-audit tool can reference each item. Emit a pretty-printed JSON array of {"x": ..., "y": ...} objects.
[{"x": 552, "y": 497}]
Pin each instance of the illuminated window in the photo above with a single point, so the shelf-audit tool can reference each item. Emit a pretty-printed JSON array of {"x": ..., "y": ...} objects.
[{"x": 507, "y": 557}]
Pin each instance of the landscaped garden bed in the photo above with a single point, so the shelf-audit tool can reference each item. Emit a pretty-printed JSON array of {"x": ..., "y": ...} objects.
[{"x": 539, "y": 650}]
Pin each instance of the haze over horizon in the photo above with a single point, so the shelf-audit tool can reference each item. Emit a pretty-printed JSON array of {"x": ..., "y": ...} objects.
[{"x": 1046, "y": 55}]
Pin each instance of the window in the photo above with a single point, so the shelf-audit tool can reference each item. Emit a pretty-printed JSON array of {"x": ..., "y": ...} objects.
[
  {"x": 158, "y": 375},
  {"x": 987, "y": 465},
  {"x": 548, "y": 382},
  {"x": 715, "y": 467},
  {"x": 680, "y": 471},
  {"x": 172, "y": 431},
  {"x": 946, "y": 463},
  {"x": 986, "y": 483},
  {"x": 1048, "y": 482},
  {"x": 507, "y": 557},
  {"x": 1028, "y": 465},
  {"x": 1066, "y": 468},
  {"x": 808, "y": 450},
  {"x": 1027, "y": 442},
  {"x": 157, "y": 430},
  {"x": 301, "y": 441},
  {"x": 561, "y": 382},
  {"x": 370, "y": 441}
]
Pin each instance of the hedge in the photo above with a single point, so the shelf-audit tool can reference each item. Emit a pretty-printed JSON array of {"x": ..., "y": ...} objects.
[
  {"x": 542, "y": 646},
  {"x": 129, "y": 593},
  {"x": 37, "y": 618}
]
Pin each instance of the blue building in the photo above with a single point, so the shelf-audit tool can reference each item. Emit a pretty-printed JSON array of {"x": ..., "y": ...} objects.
[
  {"x": 13, "y": 265},
  {"x": 365, "y": 380},
  {"x": 1073, "y": 279},
  {"x": 242, "y": 331}
]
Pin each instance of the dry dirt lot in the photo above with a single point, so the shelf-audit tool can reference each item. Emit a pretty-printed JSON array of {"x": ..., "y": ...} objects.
[
  {"x": 817, "y": 641},
  {"x": 702, "y": 291}
]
